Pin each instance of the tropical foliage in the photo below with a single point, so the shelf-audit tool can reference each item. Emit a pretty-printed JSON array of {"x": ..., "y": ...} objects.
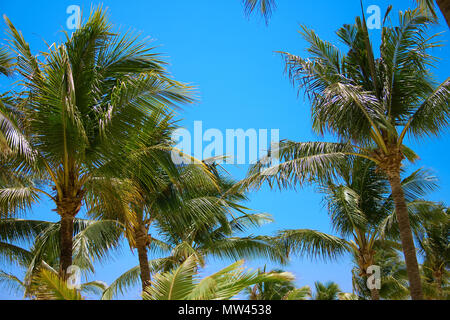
[
  {"x": 371, "y": 105},
  {"x": 90, "y": 130},
  {"x": 362, "y": 214},
  {"x": 277, "y": 290},
  {"x": 183, "y": 283}
]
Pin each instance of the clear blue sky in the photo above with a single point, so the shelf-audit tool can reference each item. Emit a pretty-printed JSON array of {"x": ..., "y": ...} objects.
[{"x": 241, "y": 84}]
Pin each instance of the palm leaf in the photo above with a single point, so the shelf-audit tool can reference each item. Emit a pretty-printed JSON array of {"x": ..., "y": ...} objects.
[
  {"x": 313, "y": 243},
  {"x": 48, "y": 286}
]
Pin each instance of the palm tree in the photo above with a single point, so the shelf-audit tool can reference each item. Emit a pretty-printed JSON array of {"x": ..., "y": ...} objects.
[
  {"x": 183, "y": 282},
  {"x": 277, "y": 290},
  {"x": 187, "y": 198},
  {"x": 270, "y": 290},
  {"x": 149, "y": 172},
  {"x": 176, "y": 242},
  {"x": 326, "y": 291},
  {"x": 81, "y": 104},
  {"x": 371, "y": 105},
  {"x": 361, "y": 212},
  {"x": 303, "y": 293}
]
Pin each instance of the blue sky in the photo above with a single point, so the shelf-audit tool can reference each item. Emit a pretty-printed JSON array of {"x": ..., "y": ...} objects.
[{"x": 240, "y": 84}]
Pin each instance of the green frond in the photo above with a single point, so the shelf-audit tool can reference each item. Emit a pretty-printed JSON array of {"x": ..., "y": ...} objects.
[
  {"x": 48, "y": 286},
  {"x": 172, "y": 285},
  {"x": 248, "y": 221},
  {"x": 183, "y": 283},
  {"x": 264, "y": 7},
  {"x": 433, "y": 115},
  {"x": 274, "y": 290},
  {"x": 94, "y": 287},
  {"x": 27, "y": 64},
  {"x": 303, "y": 293},
  {"x": 427, "y": 7},
  {"x": 313, "y": 243},
  {"x": 419, "y": 184},
  {"x": 14, "y": 255},
  {"x": 120, "y": 285},
  {"x": 298, "y": 163},
  {"x": 15, "y": 201},
  {"x": 12, "y": 135},
  {"x": 130, "y": 278},
  {"x": 347, "y": 296},
  {"x": 406, "y": 65},
  {"x": 5, "y": 62},
  {"x": 252, "y": 247},
  {"x": 11, "y": 283},
  {"x": 344, "y": 207},
  {"x": 326, "y": 291},
  {"x": 20, "y": 230},
  {"x": 95, "y": 241}
]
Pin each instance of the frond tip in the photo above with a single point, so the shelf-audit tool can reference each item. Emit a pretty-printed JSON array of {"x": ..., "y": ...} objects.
[{"x": 265, "y": 8}]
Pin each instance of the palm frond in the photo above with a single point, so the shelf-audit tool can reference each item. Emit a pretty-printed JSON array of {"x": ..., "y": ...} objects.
[
  {"x": 297, "y": 163},
  {"x": 16, "y": 200},
  {"x": 313, "y": 243},
  {"x": 427, "y": 7},
  {"x": 14, "y": 255},
  {"x": 252, "y": 247},
  {"x": 48, "y": 286},
  {"x": 172, "y": 285},
  {"x": 326, "y": 291},
  {"x": 130, "y": 278},
  {"x": 303, "y": 293},
  {"x": 5, "y": 62},
  {"x": 264, "y": 7},
  {"x": 11, "y": 283},
  {"x": 433, "y": 115},
  {"x": 94, "y": 287},
  {"x": 183, "y": 283}
]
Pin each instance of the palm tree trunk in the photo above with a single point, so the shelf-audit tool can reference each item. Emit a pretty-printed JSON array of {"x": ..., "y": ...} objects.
[
  {"x": 67, "y": 209},
  {"x": 66, "y": 236},
  {"x": 143, "y": 264},
  {"x": 375, "y": 294},
  {"x": 444, "y": 5},
  {"x": 406, "y": 237},
  {"x": 437, "y": 275},
  {"x": 141, "y": 246}
]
